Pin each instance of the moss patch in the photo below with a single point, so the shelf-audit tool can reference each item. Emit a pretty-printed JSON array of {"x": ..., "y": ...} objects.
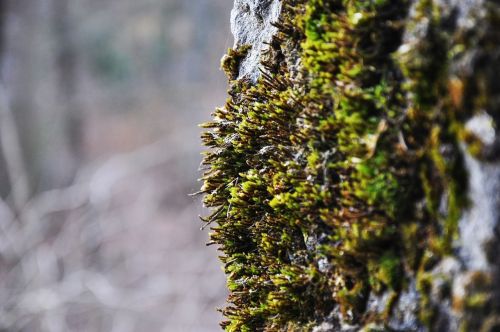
[{"x": 343, "y": 178}]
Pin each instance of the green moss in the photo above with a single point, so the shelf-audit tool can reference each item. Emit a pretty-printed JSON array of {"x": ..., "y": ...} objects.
[
  {"x": 314, "y": 176},
  {"x": 230, "y": 63},
  {"x": 385, "y": 272},
  {"x": 427, "y": 310}
]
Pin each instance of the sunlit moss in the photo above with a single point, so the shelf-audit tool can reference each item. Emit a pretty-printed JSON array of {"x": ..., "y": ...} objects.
[{"x": 314, "y": 173}]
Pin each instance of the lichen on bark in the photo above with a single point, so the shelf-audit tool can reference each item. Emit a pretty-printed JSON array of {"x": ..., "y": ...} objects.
[{"x": 343, "y": 177}]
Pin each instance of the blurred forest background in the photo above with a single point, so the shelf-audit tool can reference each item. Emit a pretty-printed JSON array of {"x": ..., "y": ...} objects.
[{"x": 99, "y": 148}]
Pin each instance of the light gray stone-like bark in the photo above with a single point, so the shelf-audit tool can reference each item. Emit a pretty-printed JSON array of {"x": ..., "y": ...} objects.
[
  {"x": 480, "y": 222},
  {"x": 251, "y": 24}
]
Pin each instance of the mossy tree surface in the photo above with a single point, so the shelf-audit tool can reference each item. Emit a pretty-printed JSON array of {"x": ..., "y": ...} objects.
[{"x": 343, "y": 181}]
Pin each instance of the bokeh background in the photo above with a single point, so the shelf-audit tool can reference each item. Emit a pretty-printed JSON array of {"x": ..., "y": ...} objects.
[{"x": 99, "y": 149}]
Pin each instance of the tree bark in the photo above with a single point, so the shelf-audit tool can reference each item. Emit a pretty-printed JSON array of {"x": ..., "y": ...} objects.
[{"x": 354, "y": 172}]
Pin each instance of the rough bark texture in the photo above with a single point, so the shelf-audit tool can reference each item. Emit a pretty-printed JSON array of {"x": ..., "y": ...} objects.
[
  {"x": 251, "y": 24},
  {"x": 355, "y": 170}
]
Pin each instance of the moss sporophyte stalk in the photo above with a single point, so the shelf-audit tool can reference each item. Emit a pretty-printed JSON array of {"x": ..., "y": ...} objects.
[{"x": 343, "y": 179}]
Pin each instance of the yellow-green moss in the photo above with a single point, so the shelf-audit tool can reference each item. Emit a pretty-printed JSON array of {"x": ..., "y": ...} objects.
[{"x": 315, "y": 177}]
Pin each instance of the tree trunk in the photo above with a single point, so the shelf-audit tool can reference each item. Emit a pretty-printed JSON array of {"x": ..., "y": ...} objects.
[
  {"x": 354, "y": 172},
  {"x": 41, "y": 83},
  {"x": 66, "y": 63},
  {"x": 19, "y": 60},
  {"x": 4, "y": 178}
]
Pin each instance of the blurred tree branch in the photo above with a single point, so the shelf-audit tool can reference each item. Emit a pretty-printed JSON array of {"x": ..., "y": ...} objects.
[{"x": 13, "y": 154}]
